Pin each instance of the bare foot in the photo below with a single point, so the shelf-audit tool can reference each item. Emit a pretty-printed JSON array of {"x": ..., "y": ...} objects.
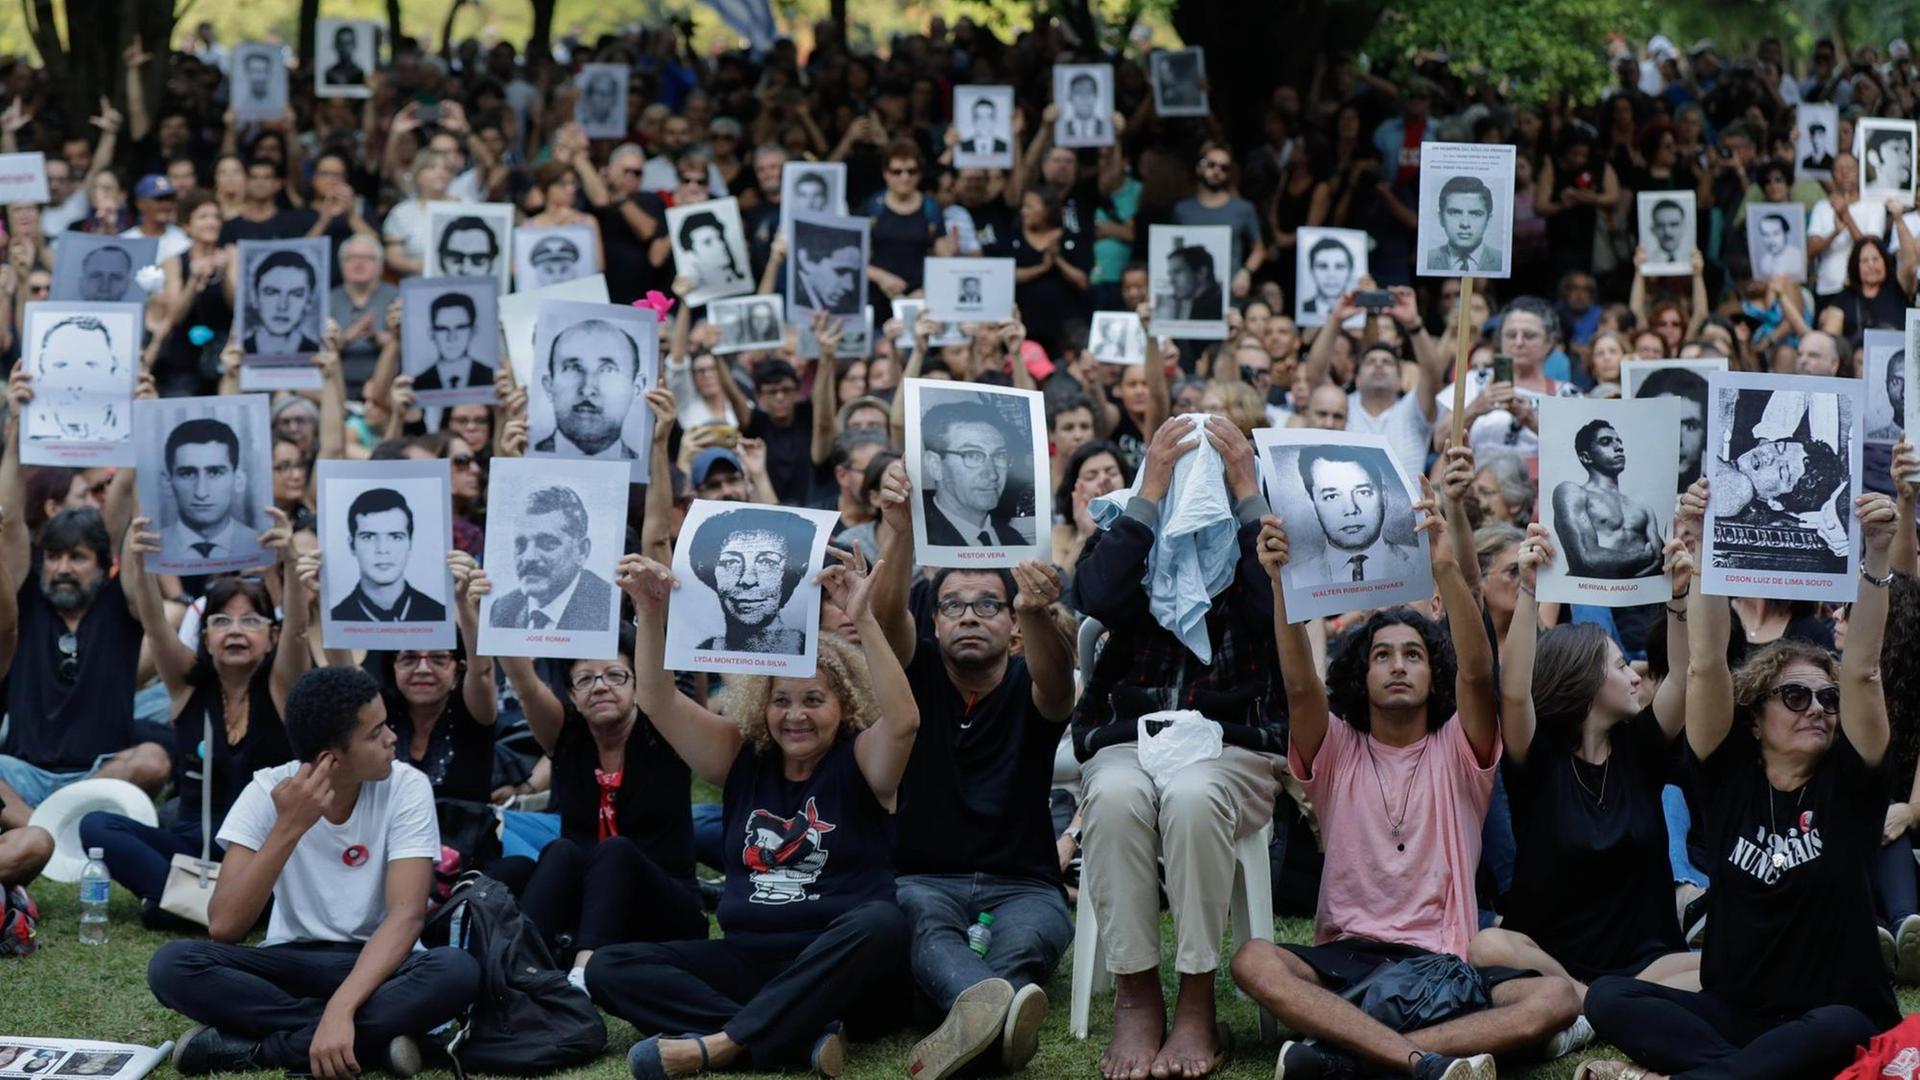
[
  {"x": 681, "y": 1057},
  {"x": 1139, "y": 1025},
  {"x": 1192, "y": 1049}
]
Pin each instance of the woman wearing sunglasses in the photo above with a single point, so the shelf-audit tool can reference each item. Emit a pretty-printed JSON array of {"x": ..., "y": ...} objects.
[
  {"x": 233, "y": 687},
  {"x": 1787, "y": 756}
]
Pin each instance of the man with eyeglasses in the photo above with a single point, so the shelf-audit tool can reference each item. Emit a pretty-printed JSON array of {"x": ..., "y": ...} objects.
[
  {"x": 964, "y": 463},
  {"x": 1215, "y": 203},
  {"x": 467, "y": 248},
  {"x": 978, "y": 834},
  {"x": 359, "y": 306},
  {"x": 380, "y": 535},
  {"x": 451, "y": 318}
]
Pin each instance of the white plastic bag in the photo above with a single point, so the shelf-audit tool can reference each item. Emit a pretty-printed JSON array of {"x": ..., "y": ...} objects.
[{"x": 1171, "y": 740}]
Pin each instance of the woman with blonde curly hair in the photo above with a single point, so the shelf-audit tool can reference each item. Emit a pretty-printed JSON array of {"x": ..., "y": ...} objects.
[
  {"x": 810, "y": 769},
  {"x": 1235, "y": 402}
]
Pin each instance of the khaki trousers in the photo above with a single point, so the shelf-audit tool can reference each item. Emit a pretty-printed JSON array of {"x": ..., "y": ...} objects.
[{"x": 1128, "y": 827}]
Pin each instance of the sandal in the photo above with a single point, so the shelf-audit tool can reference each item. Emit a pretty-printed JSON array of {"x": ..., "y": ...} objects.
[
  {"x": 1598, "y": 1069},
  {"x": 643, "y": 1061},
  {"x": 829, "y": 1055}
]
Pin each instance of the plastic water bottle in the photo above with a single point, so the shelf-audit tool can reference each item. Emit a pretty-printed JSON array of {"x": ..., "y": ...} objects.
[
  {"x": 980, "y": 934},
  {"x": 95, "y": 886}
]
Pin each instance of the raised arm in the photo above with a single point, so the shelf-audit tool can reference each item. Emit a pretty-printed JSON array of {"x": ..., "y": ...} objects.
[
  {"x": 1905, "y": 554},
  {"x": 1307, "y": 709},
  {"x": 1456, "y": 479},
  {"x": 476, "y": 689},
  {"x": 9, "y": 615},
  {"x": 1427, "y": 354},
  {"x": 883, "y": 748},
  {"x": 332, "y": 437},
  {"x": 1049, "y": 654},
  {"x": 923, "y": 328},
  {"x": 1709, "y": 681},
  {"x": 827, "y": 331},
  {"x": 1475, "y": 693},
  {"x": 544, "y": 711},
  {"x": 893, "y": 574},
  {"x": 1863, "y": 699},
  {"x": 292, "y": 655},
  {"x": 1670, "y": 701},
  {"x": 170, "y": 655},
  {"x": 706, "y": 741},
  {"x": 656, "y": 527},
  {"x": 1517, "y": 652},
  {"x": 15, "y": 553}
]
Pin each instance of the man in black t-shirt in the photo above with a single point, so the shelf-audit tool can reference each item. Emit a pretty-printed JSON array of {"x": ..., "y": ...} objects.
[
  {"x": 975, "y": 835},
  {"x": 261, "y": 217},
  {"x": 785, "y": 424}
]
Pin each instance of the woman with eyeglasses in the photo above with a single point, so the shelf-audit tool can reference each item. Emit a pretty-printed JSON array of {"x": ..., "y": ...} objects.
[
  {"x": 1501, "y": 415},
  {"x": 469, "y": 471},
  {"x": 233, "y": 685},
  {"x": 1787, "y": 755}
]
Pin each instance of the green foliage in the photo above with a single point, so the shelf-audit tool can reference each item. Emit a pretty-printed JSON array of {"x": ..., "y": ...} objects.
[{"x": 1536, "y": 48}]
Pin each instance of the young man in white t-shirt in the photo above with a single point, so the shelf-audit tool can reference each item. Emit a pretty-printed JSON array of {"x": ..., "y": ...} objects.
[{"x": 343, "y": 840}]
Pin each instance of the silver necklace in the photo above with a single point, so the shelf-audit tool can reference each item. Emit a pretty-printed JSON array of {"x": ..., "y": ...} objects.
[
  {"x": 1386, "y": 807},
  {"x": 1600, "y": 800}
]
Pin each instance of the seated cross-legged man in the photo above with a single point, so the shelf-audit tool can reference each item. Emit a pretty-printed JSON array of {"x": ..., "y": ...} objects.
[
  {"x": 975, "y": 830},
  {"x": 343, "y": 841},
  {"x": 1397, "y": 751}
]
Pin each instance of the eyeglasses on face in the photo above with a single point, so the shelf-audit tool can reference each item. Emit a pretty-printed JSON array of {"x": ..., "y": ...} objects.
[
  {"x": 1798, "y": 696},
  {"x": 613, "y": 677},
  {"x": 464, "y": 461},
  {"x": 986, "y": 607},
  {"x": 407, "y": 661},
  {"x": 974, "y": 459},
  {"x": 223, "y": 621}
]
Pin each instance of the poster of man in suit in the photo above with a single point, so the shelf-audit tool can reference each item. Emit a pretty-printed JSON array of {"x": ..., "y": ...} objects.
[
  {"x": 553, "y": 539},
  {"x": 974, "y": 452}
]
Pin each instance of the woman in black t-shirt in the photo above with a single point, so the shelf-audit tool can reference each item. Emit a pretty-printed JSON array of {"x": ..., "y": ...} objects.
[
  {"x": 1875, "y": 297},
  {"x": 1584, "y": 767},
  {"x": 1788, "y": 759},
  {"x": 235, "y": 684},
  {"x": 810, "y": 769},
  {"x": 441, "y": 705}
]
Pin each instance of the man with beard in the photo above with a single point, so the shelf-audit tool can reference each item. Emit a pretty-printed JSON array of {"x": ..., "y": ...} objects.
[
  {"x": 555, "y": 590},
  {"x": 753, "y": 560},
  {"x": 279, "y": 295},
  {"x": 965, "y": 462},
  {"x": 203, "y": 471},
  {"x": 593, "y": 372},
  {"x": 1216, "y": 204},
  {"x": 380, "y": 535},
  {"x": 1604, "y": 532},
  {"x": 977, "y": 833},
  {"x": 1690, "y": 389},
  {"x": 74, "y": 653}
]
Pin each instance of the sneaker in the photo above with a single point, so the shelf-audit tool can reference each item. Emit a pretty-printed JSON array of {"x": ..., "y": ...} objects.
[
  {"x": 1578, "y": 1034},
  {"x": 19, "y": 900},
  {"x": 977, "y": 1020},
  {"x": 17, "y": 934},
  {"x": 1436, "y": 1067},
  {"x": 1694, "y": 921},
  {"x": 403, "y": 1057},
  {"x": 1314, "y": 1061},
  {"x": 1021, "y": 1038},
  {"x": 205, "y": 1049},
  {"x": 1906, "y": 944},
  {"x": 1889, "y": 951}
]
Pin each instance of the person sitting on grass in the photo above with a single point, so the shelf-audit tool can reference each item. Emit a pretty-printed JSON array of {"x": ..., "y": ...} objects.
[
  {"x": 810, "y": 769},
  {"x": 1402, "y": 774},
  {"x": 1787, "y": 755},
  {"x": 343, "y": 842},
  {"x": 25, "y": 849}
]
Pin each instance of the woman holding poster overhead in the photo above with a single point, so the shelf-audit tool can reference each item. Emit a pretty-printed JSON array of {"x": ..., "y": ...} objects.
[
  {"x": 1788, "y": 759},
  {"x": 811, "y": 771}
]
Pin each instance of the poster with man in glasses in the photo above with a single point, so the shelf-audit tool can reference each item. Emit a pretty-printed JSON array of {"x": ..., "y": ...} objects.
[
  {"x": 749, "y": 597},
  {"x": 973, "y": 455},
  {"x": 470, "y": 240},
  {"x": 385, "y": 534},
  {"x": 448, "y": 343}
]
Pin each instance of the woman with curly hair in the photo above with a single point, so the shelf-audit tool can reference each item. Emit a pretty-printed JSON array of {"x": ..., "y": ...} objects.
[
  {"x": 1788, "y": 758},
  {"x": 810, "y": 769}
]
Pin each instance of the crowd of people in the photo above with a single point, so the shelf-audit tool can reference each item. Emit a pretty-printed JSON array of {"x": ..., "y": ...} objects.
[{"x": 1436, "y": 777}]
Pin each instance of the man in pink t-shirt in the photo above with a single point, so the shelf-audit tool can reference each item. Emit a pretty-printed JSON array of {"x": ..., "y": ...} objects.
[{"x": 1400, "y": 767}]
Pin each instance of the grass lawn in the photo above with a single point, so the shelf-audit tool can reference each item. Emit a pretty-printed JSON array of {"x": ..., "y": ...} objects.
[{"x": 75, "y": 991}]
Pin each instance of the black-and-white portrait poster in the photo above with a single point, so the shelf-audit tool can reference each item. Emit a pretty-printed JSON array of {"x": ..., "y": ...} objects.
[
  {"x": 1910, "y": 373},
  {"x": 710, "y": 246},
  {"x": 85, "y": 363},
  {"x": 1883, "y": 371},
  {"x": 748, "y": 599},
  {"x": 554, "y": 537},
  {"x": 257, "y": 83},
  {"x": 280, "y": 299},
  {"x": 519, "y": 311},
  {"x": 811, "y": 187},
  {"x": 1117, "y": 338},
  {"x": 211, "y": 483},
  {"x": 1885, "y": 149},
  {"x": 1783, "y": 468},
  {"x": 1179, "y": 81},
  {"x": 1777, "y": 240},
  {"x": 1084, "y": 96},
  {"x": 448, "y": 340},
  {"x": 1348, "y": 510},
  {"x": 977, "y": 456},
  {"x": 602, "y": 106},
  {"x": 1666, "y": 233},
  {"x": 102, "y": 269},
  {"x": 346, "y": 52},
  {"x": 826, "y": 265},
  {"x": 1466, "y": 210},
  {"x": 553, "y": 255},
  {"x": 385, "y": 530},
  {"x": 1686, "y": 382},
  {"x": 470, "y": 240},
  {"x": 969, "y": 290},
  {"x": 1188, "y": 272},
  {"x": 907, "y": 309},
  {"x": 746, "y": 323},
  {"x": 856, "y": 337},
  {"x": 983, "y": 121},
  {"x": 594, "y": 365},
  {"x": 1607, "y": 475},
  {"x": 1816, "y": 138},
  {"x": 1328, "y": 264}
]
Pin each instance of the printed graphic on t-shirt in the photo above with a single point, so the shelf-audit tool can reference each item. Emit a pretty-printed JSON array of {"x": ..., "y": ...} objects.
[
  {"x": 785, "y": 855},
  {"x": 1768, "y": 856}
]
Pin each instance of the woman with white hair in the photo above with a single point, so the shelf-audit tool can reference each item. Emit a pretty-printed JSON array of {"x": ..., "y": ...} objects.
[{"x": 405, "y": 228}]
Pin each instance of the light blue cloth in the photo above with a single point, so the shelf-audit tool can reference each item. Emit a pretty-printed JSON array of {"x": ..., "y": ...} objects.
[
  {"x": 527, "y": 833},
  {"x": 1194, "y": 550}
]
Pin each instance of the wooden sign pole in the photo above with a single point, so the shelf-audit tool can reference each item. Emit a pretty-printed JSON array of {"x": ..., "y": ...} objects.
[{"x": 1462, "y": 346}]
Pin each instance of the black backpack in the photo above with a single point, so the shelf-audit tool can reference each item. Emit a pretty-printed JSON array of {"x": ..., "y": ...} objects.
[{"x": 527, "y": 1018}]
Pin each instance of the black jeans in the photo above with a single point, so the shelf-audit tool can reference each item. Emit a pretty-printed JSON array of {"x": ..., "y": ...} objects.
[
  {"x": 1895, "y": 891},
  {"x": 1700, "y": 1036},
  {"x": 773, "y": 994},
  {"x": 276, "y": 994},
  {"x": 606, "y": 894}
]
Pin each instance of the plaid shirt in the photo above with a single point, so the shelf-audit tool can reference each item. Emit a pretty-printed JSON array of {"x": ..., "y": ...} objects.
[{"x": 1144, "y": 668}]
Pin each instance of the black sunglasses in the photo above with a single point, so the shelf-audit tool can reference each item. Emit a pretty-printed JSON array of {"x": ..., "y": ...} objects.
[
  {"x": 70, "y": 657},
  {"x": 1797, "y": 696}
]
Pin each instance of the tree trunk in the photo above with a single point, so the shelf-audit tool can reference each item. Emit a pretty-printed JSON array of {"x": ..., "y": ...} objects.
[
  {"x": 1248, "y": 58},
  {"x": 309, "y": 12},
  {"x": 837, "y": 12},
  {"x": 540, "y": 44},
  {"x": 393, "y": 24}
]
